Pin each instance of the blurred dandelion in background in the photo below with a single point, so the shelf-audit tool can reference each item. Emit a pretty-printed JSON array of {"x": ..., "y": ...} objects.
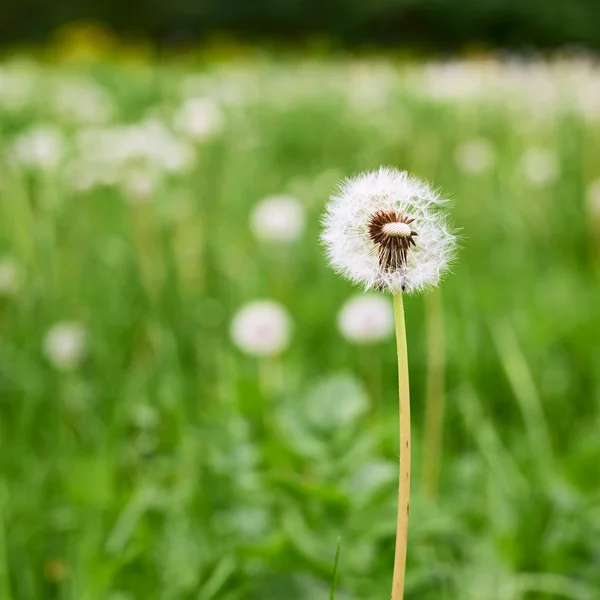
[
  {"x": 199, "y": 118},
  {"x": 278, "y": 219},
  {"x": 366, "y": 319},
  {"x": 475, "y": 155},
  {"x": 540, "y": 166},
  {"x": 41, "y": 147},
  {"x": 261, "y": 328},
  {"x": 65, "y": 345},
  {"x": 139, "y": 184}
]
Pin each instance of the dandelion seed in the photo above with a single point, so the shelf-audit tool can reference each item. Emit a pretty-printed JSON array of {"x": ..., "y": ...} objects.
[
  {"x": 387, "y": 230},
  {"x": 366, "y": 318},
  {"x": 540, "y": 166},
  {"x": 64, "y": 345},
  {"x": 277, "y": 219},
  {"x": 261, "y": 328},
  {"x": 474, "y": 156}
]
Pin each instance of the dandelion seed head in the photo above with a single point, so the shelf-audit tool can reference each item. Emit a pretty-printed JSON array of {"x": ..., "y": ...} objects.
[
  {"x": 261, "y": 328},
  {"x": 540, "y": 166},
  {"x": 277, "y": 219},
  {"x": 199, "y": 118},
  {"x": 41, "y": 147},
  {"x": 474, "y": 156},
  {"x": 64, "y": 345},
  {"x": 366, "y": 318},
  {"x": 140, "y": 185},
  {"x": 367, "y": 238}
]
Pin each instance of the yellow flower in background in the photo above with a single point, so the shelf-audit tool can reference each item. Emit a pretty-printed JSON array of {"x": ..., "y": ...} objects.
[{"x": 83, "y": 41}]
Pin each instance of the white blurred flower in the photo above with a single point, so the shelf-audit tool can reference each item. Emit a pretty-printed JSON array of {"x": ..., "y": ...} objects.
[
  {"x": 540, "y": 166},
  {"x": 83, "y": 175},
  {"x": 261, "y": 328},
  {"x": 40, "y": 147},
  {"x": 82, "y": 101},
  {"x": 148, "y": 142},
  {"x": 140, "y": 184},
  {"x": 277, "y": 219},
  {"x": 199, "y": 118},
  {"x": 10, "y": 277},
  {"x": 474, "y": 156},
  {"x": 593, "y": 199},
  {"x": 64, "y": 345},
  {"x": 386, "y": 229},
  {"x": 366, "y": 318}
]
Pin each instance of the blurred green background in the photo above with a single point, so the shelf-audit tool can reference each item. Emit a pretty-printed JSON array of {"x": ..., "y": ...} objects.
[
  {"x": 428, "y": 24},
  {"x": 145, "y": 455}
]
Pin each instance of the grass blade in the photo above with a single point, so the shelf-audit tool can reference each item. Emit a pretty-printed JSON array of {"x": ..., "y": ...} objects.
[{"x": 336, "y": 562}]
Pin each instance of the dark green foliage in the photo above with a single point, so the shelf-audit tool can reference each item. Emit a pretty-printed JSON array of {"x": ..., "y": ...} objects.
[{"x": 429, "y": 24}]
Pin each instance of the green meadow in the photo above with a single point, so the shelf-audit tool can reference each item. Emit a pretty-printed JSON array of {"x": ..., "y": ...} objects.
[{"x": 144, "y": 456}]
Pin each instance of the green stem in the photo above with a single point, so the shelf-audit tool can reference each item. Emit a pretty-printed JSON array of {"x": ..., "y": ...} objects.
[{"x": 404, "y": 476}]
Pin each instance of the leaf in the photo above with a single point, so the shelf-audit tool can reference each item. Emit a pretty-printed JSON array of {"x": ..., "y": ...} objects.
[{"x": 334, "y": 577}]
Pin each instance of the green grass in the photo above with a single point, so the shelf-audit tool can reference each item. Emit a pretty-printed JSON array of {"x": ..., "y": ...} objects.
[{"x": 168, "y": 465}]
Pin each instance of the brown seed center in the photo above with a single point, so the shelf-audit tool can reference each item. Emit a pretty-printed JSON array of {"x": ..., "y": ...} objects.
[{"x": 392, "y": 233}]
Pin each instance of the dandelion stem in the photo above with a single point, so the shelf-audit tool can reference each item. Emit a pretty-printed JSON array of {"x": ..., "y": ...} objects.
[{"x": 404, "y": 477}]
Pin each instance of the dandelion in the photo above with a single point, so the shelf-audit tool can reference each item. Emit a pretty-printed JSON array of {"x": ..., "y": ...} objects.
[
  {"x": 474, "y": 156},
  {"x": 366, "y": 319},
  {"x": 199, "y": 118},
  {"x": 387, "y": 230},
  {"x": 39, "y": 148},
  {"x": 140, "y": 185},
  {"x": 10, "y": 277},
  {"x": 82, "y": 101},
  {"x": 277, "y": 219},
  {"x": 64, "y": 345},
  {"x": 261, "y": 328},
  {"x": 540, "y": 166}
]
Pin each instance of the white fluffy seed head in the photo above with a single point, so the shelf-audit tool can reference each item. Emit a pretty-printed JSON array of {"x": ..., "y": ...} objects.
[
  {"x": 41, "y": 147},
  {"x": 540, "y": 166},
  {"x": 366, "y": 318},
  {"x": 277, "y": 219},
  {"x": 261, "y": 328},
  {"x": 352, "y": 252},
  {"x": 474, "y": 156},
  {"x": 199, "y": 118},
  {"x": 64, "y": 345}
]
